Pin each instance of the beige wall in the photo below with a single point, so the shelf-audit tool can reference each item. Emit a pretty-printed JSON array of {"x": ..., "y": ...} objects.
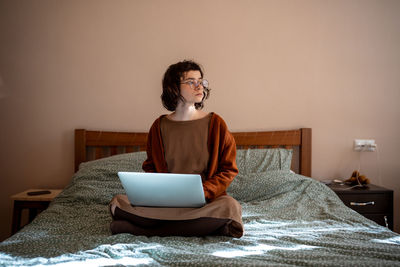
[{"x": 333, "y": 66}]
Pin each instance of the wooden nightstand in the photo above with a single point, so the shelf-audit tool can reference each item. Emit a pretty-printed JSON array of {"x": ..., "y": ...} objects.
[
  {"x": 374, "y": 202},
  {"x": 34, "y": 204}
]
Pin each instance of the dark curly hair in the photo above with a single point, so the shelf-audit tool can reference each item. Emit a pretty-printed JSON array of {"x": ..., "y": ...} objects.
[{"x": 172, "y": 81}]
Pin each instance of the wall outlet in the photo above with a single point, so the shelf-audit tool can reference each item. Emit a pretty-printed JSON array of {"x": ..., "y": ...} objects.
[{"x": 364, "y": 145}]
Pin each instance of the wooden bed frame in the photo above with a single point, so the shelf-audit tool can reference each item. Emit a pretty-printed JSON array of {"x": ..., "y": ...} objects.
[{"x": 91, "y": 145}]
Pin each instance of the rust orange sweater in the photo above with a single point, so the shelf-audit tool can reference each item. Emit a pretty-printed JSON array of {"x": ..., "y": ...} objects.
[{"x": 222, "y": 162}]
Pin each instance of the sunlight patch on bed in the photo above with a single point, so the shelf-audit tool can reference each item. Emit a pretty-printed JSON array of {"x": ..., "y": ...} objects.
[
  {"x": 125, "y": 261},
  {"x": 105, "y": 255},
  {"x": 393, "y": 240},
  {"x": 304, "y": 230},
  {"x": 256, "y": 250}
]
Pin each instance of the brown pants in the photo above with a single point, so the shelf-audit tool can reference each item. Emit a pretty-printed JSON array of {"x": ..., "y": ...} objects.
[
  {"x": 125, "y": 222},
  {"x": 220, "y": 217}
]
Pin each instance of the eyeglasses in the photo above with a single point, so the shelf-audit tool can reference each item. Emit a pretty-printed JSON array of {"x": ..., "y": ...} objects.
[{"x": 194, "y": 84}]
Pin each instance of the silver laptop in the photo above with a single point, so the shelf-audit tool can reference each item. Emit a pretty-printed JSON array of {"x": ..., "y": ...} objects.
[{"x": 163, "y": 189}]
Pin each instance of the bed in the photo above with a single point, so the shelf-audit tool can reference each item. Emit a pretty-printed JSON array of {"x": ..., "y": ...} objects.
[{"x": 289, "y": 218}]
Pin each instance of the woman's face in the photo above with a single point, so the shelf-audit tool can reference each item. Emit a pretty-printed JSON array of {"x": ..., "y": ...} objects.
[{"x": 191, "y": 88}]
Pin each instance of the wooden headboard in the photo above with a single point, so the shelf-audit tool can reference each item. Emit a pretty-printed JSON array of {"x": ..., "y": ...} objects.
[{"x": 91, "y": 145}]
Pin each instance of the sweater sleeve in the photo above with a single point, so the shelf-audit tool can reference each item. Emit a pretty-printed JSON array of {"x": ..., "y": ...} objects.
[
  {"x": 149, "y": 165},
  {"x": 226, "y": 170}
]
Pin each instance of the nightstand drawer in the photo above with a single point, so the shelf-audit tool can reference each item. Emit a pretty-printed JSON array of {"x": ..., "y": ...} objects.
[
  {"x": 374, "y": 202},
  {"x": 367, "y": 203}
]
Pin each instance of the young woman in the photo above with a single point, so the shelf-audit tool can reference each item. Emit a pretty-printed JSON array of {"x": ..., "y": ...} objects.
[{"x": 188, "y": 140}]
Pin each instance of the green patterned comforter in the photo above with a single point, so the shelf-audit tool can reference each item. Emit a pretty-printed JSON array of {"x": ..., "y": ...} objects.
[{"x": 289, "y": 220}]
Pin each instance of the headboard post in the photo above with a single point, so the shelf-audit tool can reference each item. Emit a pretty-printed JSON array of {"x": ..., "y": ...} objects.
[
  {"x": 305, "y": 152},
  {"x": 80, "y": 147}
]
